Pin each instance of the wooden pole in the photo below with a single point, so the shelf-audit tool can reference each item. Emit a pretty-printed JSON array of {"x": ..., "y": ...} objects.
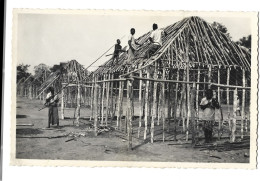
[
  {"x": 243, "y": 104},
  {"x": 62, "y": 101},
  {"x": 103, "y": 100},
  {"x": 197, "y": 100},
  {"x": 188, "y": 103},
  {"x": 154, "y": 102},
  {"x": 78, "y": 105},
  {"x": 120, "y": 100},
  {"x": 95, "y": 107},
  {"x": 233, "y": 124},
  {"x": 209, "y": 76},
  {"x": 107, "y": 102},
  {"x": 130, "y": 110},
  {"x": 141, "y": 104},
  {"x": 228, "y": 79},
  {"x": 112, "y": 108},
  {"x": 175, "y": 106},
  {"x": 192, "y": 113},
  {"x": 146, "y": 106},
  {"x": 169, "y": 101},
  {"x": 163, "y": 103},
  {"x": 92, "y": 97}
]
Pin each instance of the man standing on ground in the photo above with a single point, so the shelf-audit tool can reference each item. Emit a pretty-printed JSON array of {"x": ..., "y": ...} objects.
[
  {"x": 133, "y": 45},
  {"x": 208, "y": 105},
  {"x": 156, "y": 40}
]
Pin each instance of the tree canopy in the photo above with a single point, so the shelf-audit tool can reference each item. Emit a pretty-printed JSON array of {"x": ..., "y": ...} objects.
[{"x": 22, "y": 71}]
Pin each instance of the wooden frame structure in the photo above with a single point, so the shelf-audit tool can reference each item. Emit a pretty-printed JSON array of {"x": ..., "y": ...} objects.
[{"x": 194, "y": 56}]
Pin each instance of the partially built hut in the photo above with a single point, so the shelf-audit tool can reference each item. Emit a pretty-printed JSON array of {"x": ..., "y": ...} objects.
[
  {"x": 69, "y": 82},
  {"x": 166, "y": 88}
]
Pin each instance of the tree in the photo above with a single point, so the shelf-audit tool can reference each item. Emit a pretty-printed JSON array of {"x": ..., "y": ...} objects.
[
  {"x": 245, "y": 41},
  {"x": 22, "y": 72},
  {"x": 221, "y": 28}
]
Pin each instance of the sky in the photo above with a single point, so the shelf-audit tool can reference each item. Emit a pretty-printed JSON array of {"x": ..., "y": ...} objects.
[{"x": 55, "y": 38}]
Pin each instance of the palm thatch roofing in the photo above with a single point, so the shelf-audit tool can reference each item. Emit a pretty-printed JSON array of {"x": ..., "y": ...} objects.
[{"x": 207, "y": 47}]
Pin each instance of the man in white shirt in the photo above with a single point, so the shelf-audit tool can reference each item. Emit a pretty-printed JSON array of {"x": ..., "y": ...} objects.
[
  {"x": 156, "y": 40},
  {"x": 133, "y": 45}
]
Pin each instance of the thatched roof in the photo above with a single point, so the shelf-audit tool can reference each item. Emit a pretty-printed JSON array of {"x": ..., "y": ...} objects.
[{"x": 207, "y": 46}]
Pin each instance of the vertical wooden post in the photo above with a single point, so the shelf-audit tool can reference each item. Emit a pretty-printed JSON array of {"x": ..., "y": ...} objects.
[
  {"x": 62, "y": 101},
  {"x": 243, "y": 104},
  {"x": 220, "y": 120},
  {"x": 188, "y": 103},
  {"x": 30, "y": 92},
  {"x": 85, "y": 96},
  {"x": 209, "y": 76},
  {"x": 169, "y": 99},
  {"x": 92, "y": 97},
  {"x": 219, "y": 100},
  {"x": 120, "y": 100},
  {"x": 130, "y": 110},
  {"x": 146, "y": 105},
  {"x": 197, "y": 99},
  {"x": 107, "y": 102},
  {"x": 141, "y": 103},
  {"x": 95, "y": 106},
  {"x": 102, "y": 100},
  {"x": 175, "y": 105},
  {"x": 78, "y": 104},
  {"x": 112, "y": 108},
  {"x": 183, "y": 104},
  {"x": 233, "y": 124},
  {"x": 228, "y": 78},
  {"x": 163, "y": 103},
  {"x": 192, "y": 113},
  {"x": 154, "y": 101}
]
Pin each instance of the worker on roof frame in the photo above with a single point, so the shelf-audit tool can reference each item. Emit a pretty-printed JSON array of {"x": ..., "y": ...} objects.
[
  {"x": 133, "y": 45},
  {"x": 156, "y": 40},
  {"x": 117, "y": 51}
]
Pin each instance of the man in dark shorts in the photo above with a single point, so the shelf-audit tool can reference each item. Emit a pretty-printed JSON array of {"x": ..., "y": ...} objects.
[{"x": 117, "y": 51}]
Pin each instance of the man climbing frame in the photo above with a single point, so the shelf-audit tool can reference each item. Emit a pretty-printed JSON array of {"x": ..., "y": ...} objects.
[
  {"x": 117, "y": 51},
  {"x": 156, "y": 40},
  {"x": 208, "y": 105},
  {"x": 133, "y": 46}
]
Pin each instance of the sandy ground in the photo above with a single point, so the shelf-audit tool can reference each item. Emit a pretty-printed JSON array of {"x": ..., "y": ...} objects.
[{"x": 37, "y": 142}]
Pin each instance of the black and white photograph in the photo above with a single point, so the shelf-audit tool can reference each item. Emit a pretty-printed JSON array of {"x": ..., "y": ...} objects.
[{"x": 134, "y": 87}]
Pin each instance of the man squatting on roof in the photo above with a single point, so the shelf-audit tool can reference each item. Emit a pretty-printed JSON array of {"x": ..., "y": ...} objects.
[
  {"x": 208, "y": 105},
  {"x": 52, "y": 102},
  {"x": 156, "y": 40},
  {"x": 133, "y": 45}
]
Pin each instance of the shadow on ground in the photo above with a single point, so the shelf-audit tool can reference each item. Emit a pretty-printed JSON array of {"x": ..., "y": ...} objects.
[{"x": 28, "y": 131}]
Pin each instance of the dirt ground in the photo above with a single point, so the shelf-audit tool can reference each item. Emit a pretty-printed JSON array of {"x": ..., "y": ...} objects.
[{"x": 37, "y": 142}]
